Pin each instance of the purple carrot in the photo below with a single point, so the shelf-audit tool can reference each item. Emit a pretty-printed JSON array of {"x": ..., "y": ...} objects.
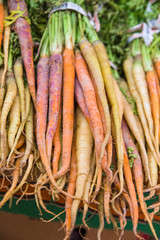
[
  {"x": 23, "y": 30},
  {"x": 55, "y": 86},
  {"x": 79, "y": 95},
  {"x": 42, "y": 100}
]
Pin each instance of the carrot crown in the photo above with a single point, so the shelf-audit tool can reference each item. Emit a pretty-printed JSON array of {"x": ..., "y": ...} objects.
[{"x": 147, "y": 62}]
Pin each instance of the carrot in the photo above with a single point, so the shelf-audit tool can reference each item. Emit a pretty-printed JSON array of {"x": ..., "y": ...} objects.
[
  {"x": 9, "y": 99},
  {"x": 29, "y": 136},
  {"x": 18, "y": 71},
  {"x": 153, "y": 91},
  {"x": 107, "y": 187},
  {"x": 41, "y": 107},
  {"x": 71, "y": 189},
  {"x": 79, "y": 95},
  {"x": 90, "y": 98},
  {"x": 94, "y": 67},
  {"x": 131, "y": 189},
  {"x": 68, "y": 96},
  {"x": 138, "y": 174},
  {"x": 55, "y": 81},
  {"x": 119, "y": 97},
  {"x": 22, "y": 125},
  {"x": 23, "y": 30},
  {"x": 14, "y": 119},
  {"x": 84, "y": 144},
  {"x": 57, "y": 146},
  {"x": 141, "y": 85},
  {"x": 127, "y": 66},
  {"x": 2, "y": 13},
  {"x": 109, "y": 85}
]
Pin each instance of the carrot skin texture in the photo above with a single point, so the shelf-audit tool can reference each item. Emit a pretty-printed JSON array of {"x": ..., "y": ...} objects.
[
  {"x": 42, "y": 99},
  {"x": 157, "y": 66},
  {"x": 57, "y": 146},
  {"x": 9, "y": 99},
  {"x": 55, "y": 85},
  {"x": 23, "y": 30},
  {"x": 79, "y": 95},
  {"x": 68, "y": 110},
  {"x": 154, "y": 98}
]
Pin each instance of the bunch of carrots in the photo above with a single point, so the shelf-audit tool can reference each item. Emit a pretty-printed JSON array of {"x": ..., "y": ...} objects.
[{"x": 75, "y": 127}]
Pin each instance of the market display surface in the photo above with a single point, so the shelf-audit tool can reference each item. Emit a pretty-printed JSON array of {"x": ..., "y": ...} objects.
[{"x": 71, "y": 128}]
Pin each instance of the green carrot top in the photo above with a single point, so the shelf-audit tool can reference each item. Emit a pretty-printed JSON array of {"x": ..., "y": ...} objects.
[
  {"x": 147, "y": 62},
  {"x": 91, "y": 33},
  {"x": 136, "y": 49},
  {"x": 55, "y": 33},
  {"x": 45, "y": 46},
  {"x": 68, "y": 31}
]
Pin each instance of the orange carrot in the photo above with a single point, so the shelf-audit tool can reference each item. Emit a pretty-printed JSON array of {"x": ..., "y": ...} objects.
[
  {"x": 153, "y": 91},
  {"x": 57, "y": 146},
  {"x": 71, "y": 189},
  {"x": 131, "y": 189},
  {"x": 90, "y": 98},
  {"x": 68, "y": 108}
]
